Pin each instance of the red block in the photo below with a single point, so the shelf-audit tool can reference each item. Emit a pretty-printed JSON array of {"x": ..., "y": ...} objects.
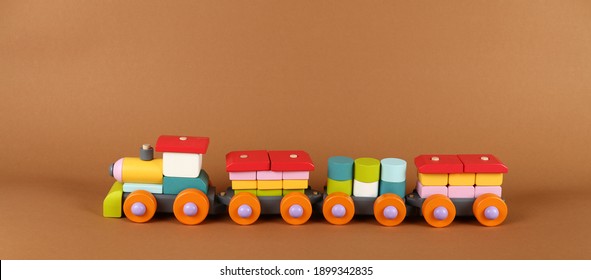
[
  {"x": 433, "y": 164},
  {"x": 290, "y": 161},
  {"x": 182, "y": 144},
  {"x": 247, "y": 161},
  {"x": 482, "y": 163}
]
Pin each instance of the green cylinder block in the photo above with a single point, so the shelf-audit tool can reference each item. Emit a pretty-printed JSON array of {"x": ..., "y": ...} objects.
[
  {"x": 345, "y": 186},
  {"x": 367, "y": 170}
]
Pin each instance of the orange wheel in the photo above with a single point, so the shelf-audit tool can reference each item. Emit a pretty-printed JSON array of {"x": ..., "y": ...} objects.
[
  {"x": 139, "y": 206},
  {"x": 191, "y": 206},
  {"x": 296, "y": 208},
  {"x": 490, "y": 210},
  {"x": 438, "y": 210},
  {"x": 244, "y": 208},
  {"x": 338, "y": 208},
  {"x": 389, "y": 210}
]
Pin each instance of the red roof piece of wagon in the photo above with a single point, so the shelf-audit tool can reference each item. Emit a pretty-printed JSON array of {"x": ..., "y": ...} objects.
[
  {"x": 182, "y": 144},
  {"x": 482, "y": 163},
  {"x": 238, "y": 161},
  {"x": 290, "y": 161},
  {"x": 435, "y": 164}
]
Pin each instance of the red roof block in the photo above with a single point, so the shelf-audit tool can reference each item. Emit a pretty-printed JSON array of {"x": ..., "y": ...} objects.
[
  {"x": 290, "y": 161},
  {"x": 182, "y": 144},
  {"x": 482, "y": 163},
  {"x": 439, "y": 164},
  {"x": 247, "y": 161}
]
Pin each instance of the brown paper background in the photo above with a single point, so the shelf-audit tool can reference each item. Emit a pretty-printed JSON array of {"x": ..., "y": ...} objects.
[{"x": 83, "y": 83}]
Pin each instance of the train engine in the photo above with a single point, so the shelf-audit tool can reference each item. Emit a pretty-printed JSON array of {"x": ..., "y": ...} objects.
[{"x": 175, "y": 183}]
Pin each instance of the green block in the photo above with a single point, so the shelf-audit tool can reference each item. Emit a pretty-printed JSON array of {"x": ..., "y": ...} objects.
[
  {"x": 286, "y": 192},
  {"x": 254, "y": 192},
  {"x": 174, "y": 185},
  {"x": 278, "y": 192},
  {"x": 340, "y": 168},
  {"x": 367, "y": 170},
  {"x": 339, "y": 186},
  {"x": 113, "y": 201},
  {"x": 398, "y": 188}
]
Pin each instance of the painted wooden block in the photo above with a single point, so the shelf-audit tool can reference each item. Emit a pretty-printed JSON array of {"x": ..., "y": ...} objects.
[
  {"x": 345, "y": 186},
  {"x": 460, "y": 191},
  {"x": 480, "y": 190},
  {"x": 286, "y": 192},
  {"x": 244, "y": 184},
  {"x": 269, "y": 175},
  {"x": 426, "y": 191},
  {"x": 397, "y": 188},
  {"x": 182, "y": 144},
  {"x": 135, "y": 170},
  {"x": 340, "y": 168},
  {"x": 482, "y": 163},
  {"x": 243, "y": 175},
  {"x": 366, "y": 170},
  {"x": 270, "y": 185},
  {"x": 489, "y": 179},
  {"x": 254, "y": 192},
  {"x": 393, "y": 170},
  {"x": 113, "y": 201},
  {"x": 295, "y": 184},
  {"x": 462, "y": 179},
  {"x": 153, "y": 188},
  {"x": 433, "y": 179},
  {"x": 247, "y": 161},
  {"x": 269, "y": 192},
  {"x": 363, "y": 189},
  {"x": 174, "y": 185},
  {"x": 429, "y": 164},
  {"x": 296, "y": 175},
  {"x": 290, "y": 161},
  {"x": 181, "y": 165}
]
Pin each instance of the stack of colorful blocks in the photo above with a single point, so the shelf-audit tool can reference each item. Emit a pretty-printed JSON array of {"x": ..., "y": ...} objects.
[
  {"x": 272, "y": 173},
  {"x": 179, "y": 169},
  {"x": 362, "y": 177},
  {"x": 459, "y": 176}
]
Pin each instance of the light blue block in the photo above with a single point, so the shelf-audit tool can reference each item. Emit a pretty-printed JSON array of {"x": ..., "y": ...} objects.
[
  {"x": 153, "y": 188},
  {"x": 174, "y": 185},
  {"x": 340, "y": 168},
  {"x": 398, "y": 188},
  {"x": 393, "y": 170}
]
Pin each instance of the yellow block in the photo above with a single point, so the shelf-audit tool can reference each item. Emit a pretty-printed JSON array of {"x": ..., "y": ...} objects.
[
  {"x": 269, "y": 184},
  {"x": 113, "y": 201},
  {"x": 269, "y": 192},
  {"x": 295, "y": 184},
  {"x": 254, "y": 192},
  {"x": 462, "y": 179},
  {"x": 489, "y": 179},
  {"x": 135, "y": 170},
  {"x": 286, "y": 192},
  {"x": 433, "y": 179},
  {"x": 244, "y": 184}
]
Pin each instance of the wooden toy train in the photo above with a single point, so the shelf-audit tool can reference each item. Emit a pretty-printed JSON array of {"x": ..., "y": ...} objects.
[{"x": 276, "y": 182}]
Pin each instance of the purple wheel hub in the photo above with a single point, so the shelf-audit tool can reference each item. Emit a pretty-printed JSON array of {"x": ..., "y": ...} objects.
[
  {"x": 491, "y": 212},
  {"x": 190, "y": 209},
  {"x": 440, "y": 213},
  {"x": 390, "y": 212},
  {"x": 138, "y": 209},
  {"x": 339, "y": 211},
  {"x": 296, "y": 211},
  {"x": 244, "y": 211}
]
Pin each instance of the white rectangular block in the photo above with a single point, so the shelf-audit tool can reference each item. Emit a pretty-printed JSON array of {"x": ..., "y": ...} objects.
[
  {"x": 153, "y": 188},
  {"x": 427, "y": 191},
  {"x": 460, "y": 191},
  {"x": 296, "y": 175},
  {"x": 243, "y": 176},
  {"x": 362, "y": 189},
  {"x": 480, "y": 190},
  {"x": 181, "y": 165},
  {"x": 268, "y": 175}
]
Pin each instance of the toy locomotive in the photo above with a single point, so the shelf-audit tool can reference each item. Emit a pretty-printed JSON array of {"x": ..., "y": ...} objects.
[{"x": 276, "y": 182}]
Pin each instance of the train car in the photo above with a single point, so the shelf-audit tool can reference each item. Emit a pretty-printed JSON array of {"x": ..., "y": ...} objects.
[
  {"x": 365, "y": 186},
  {"x": 269, "y": 182},
  {"x": 459, "y": 185},
  {"x": 175, "y": 183}
]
